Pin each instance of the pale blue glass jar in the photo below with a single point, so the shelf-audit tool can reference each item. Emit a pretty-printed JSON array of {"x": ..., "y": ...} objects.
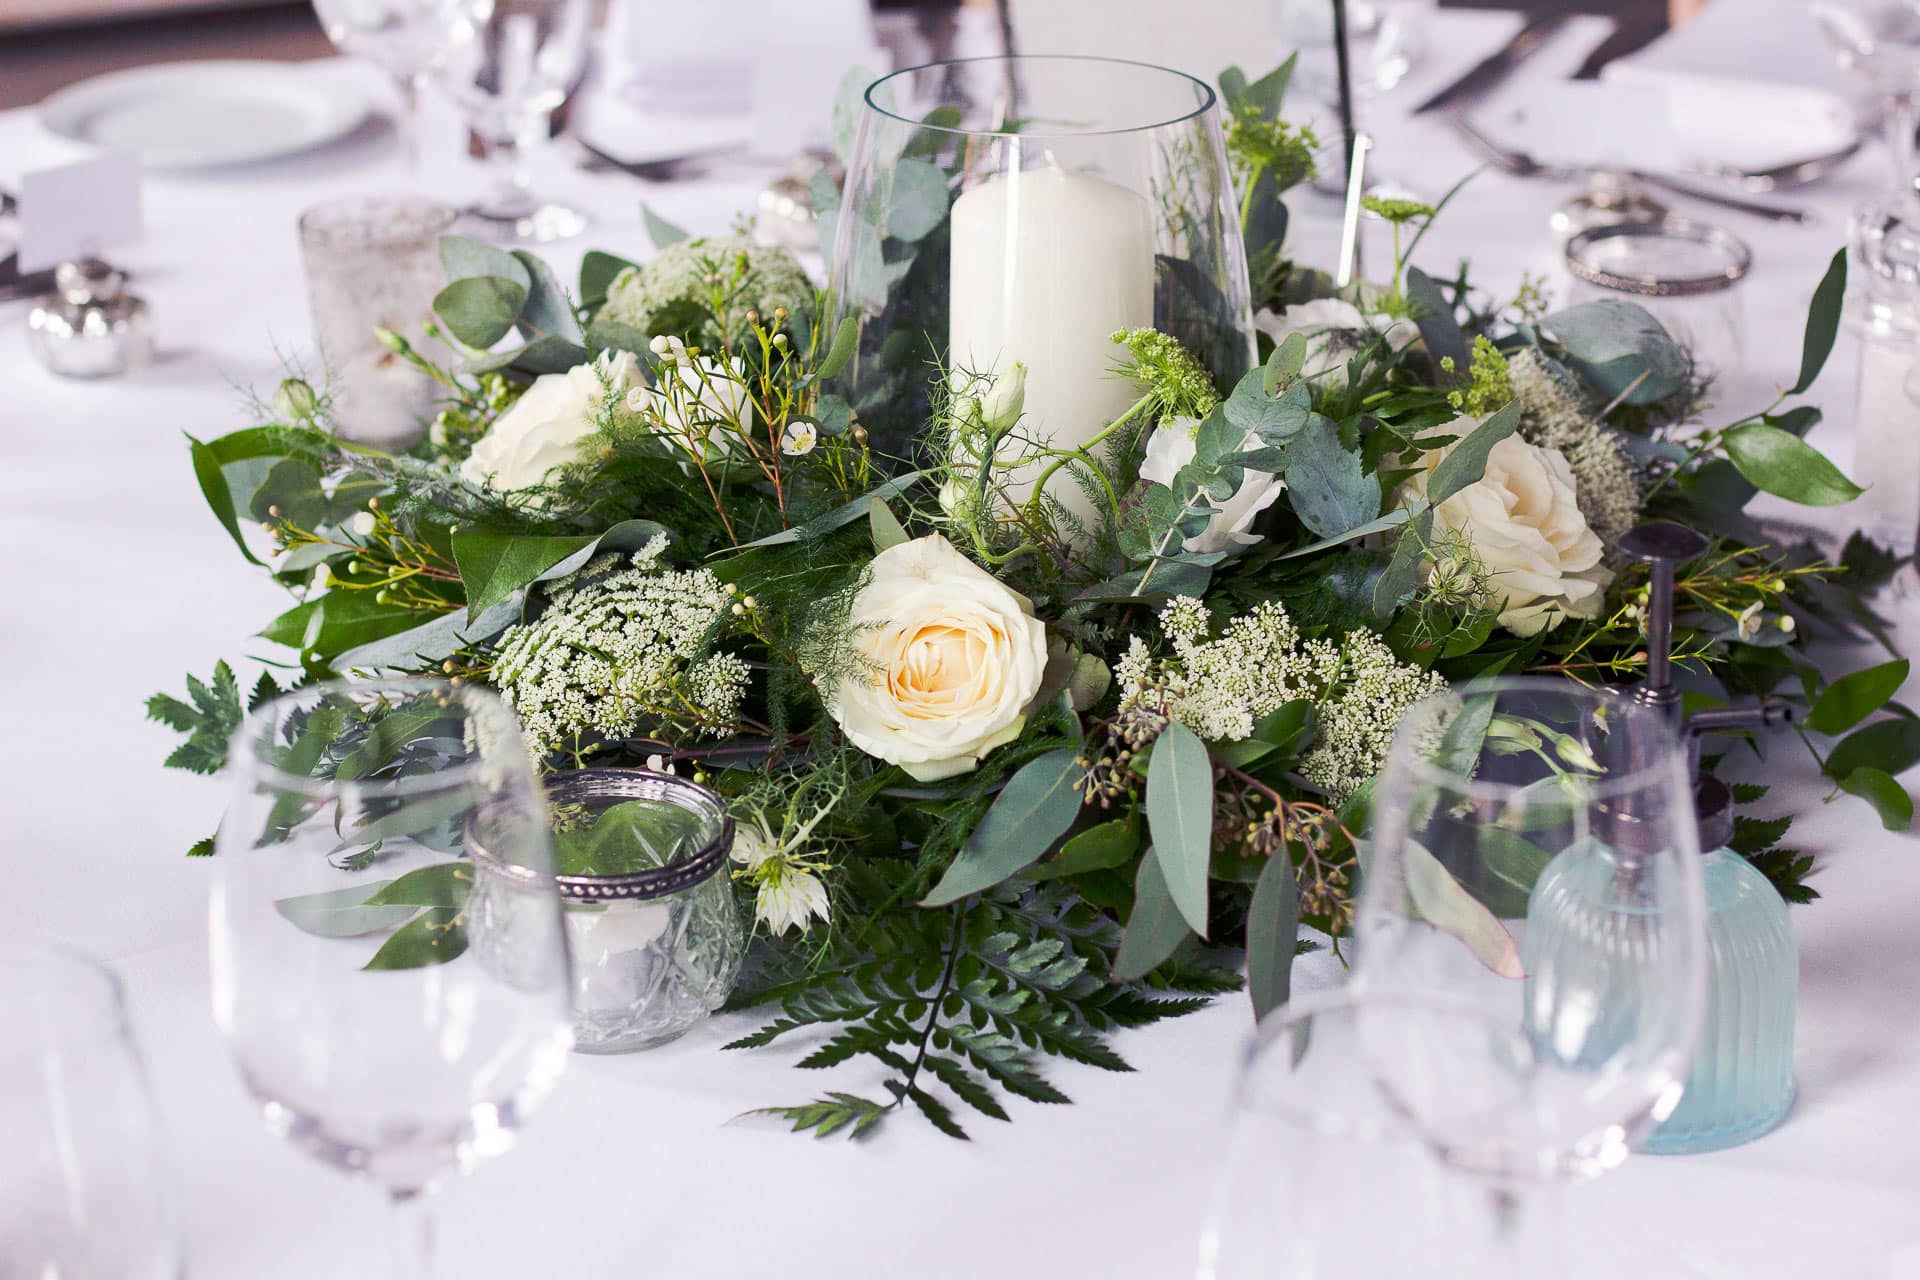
[{"x": 1580, "y": 930}]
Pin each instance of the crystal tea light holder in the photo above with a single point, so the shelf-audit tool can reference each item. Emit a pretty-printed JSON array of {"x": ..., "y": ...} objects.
[{"x": 655, "y": 937}]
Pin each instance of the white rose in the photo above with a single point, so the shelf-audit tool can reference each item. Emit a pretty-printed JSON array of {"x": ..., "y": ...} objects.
[
  {"x": 1335, "y": 329},
  {"x": 952, "y": 657},
  {"x": 1172, "y": 447},
  {"x": 544, "y": 427},
  {"x": 1544, "y": 562}
]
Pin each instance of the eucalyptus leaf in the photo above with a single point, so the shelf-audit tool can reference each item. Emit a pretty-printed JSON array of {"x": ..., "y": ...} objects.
[
  {"x": 1180, "y": 818},
  {"x": 542, "y": 355},
  {"x": 1466, "y": 461},
  {"x": 464, "y": 257},
  {"x": 1032, "y": 811},
  {"x": 548, "y": 313},
  {"x": 1286, "y": 362},
  {"x": 887, "y": 529},
  {"x": 1383, "y": 524},
  {"x": 1621, "y": 349},
  {"x": 832, "y": 415},
  {"x": 1438, "y": 328},
  {"x": 917, "y": 201},
  {"x": 597, "y": 273},
  {"x": 1273, "y": 926},
  {"x": 1155, "y": 583},
  {"x": 415, "y": 816},
  {"x": 1156, "y": 928},
  {"x": 839, "y": 516},
  {"x": 342, "y": 913},
  {"x": 1252, "y": 407},
  {"x": 1788, "y": 467},
  {"x": 660, "y": 231},
  {"x": 1402, "y": 575},
  {"x": 480, "y": 310},
  {"x": 1326, "y": 484}
]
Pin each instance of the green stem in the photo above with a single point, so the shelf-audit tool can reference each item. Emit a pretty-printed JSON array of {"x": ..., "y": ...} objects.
[
  {"x": 954, "y": 937},
  {"x": 1083, "y": 453}
]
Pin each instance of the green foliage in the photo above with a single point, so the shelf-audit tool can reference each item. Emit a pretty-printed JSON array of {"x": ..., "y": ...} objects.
[
  {"x": 960, "y": 1004},
  {"x": 208, "y": 718}
]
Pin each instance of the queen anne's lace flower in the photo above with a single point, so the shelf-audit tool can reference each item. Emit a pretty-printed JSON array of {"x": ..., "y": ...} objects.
[
  {"x": 616, "y": 650},
  {"x": 1221, "y": 687}
]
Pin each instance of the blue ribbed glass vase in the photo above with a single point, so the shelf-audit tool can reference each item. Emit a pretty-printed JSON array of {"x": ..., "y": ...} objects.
[{"x": 1741, "y": 1084}]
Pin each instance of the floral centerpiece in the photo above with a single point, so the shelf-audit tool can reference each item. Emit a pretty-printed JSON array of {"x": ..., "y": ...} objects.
[{"x": 1010, "y": 776}]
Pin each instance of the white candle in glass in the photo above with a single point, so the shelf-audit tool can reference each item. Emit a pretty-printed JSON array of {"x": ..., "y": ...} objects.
[
  {"x": 1885, "y": 440},
  {"x": 1047, "y": 264}
]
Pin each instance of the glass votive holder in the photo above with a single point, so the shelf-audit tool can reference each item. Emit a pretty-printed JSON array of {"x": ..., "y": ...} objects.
[
  {"x": 655, "y": 936},
  {"x": 373, "y": 262},
  {"x": 1885, "y": 313},
  {"x": 1683, "y": 272}
]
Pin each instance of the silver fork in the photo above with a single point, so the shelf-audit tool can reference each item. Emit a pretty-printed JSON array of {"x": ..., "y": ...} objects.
[{"x": 1521, "y": 165}]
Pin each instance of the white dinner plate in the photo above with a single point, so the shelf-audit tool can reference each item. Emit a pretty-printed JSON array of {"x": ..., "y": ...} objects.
[{"x": 189, "y": 115}]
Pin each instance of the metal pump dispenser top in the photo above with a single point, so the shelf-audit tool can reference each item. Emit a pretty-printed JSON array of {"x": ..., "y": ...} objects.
[{"x": 1663, "y": 547}]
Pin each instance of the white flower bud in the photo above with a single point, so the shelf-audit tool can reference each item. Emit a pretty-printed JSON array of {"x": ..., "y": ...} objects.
[
  {"x": 659, "y": 346},
  {"x": 360, "y": 525},
  {"x": 1006, "y": 399}
]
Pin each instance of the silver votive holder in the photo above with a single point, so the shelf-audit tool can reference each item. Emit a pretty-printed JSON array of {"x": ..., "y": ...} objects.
[
  {"x": 655, "y": 937},
  {"x": 90, "y": 327},
  {"x": 373, "y": 262}
]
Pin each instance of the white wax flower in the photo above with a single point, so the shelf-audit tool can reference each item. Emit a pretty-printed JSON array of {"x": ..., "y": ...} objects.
[
  {"x": 1334, "y": 329},
  {"x": 798, "y": 439},
  {"x": 950, "y": 658},
  {"x": 1544, "y": 563},
  {"x": 1171, "y": 447},
  {"x": 544, "y": 427},
  {"x": 699, "y": 397}
]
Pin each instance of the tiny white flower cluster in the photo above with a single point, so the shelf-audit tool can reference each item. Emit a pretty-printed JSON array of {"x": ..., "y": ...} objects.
[
  {"x": 614, "y": 651},
  {"x": 1556, "y": 416},
  {"x": 1221, "y": 687}
]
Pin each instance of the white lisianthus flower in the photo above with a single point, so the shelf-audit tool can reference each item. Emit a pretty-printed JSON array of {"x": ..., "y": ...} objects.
[
  {"x": 798, "y": 440},
  {"x": 788, "y": 894},
  {"x": 1172, "y": 447},
  {"x": 544, "y": 427},
  {"x": 1334, "y": 329},
  {"x": 950, "y": 658},
  {"x": 1544, "y": 563}
]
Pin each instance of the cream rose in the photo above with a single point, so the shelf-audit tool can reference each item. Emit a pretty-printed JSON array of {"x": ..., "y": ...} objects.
[
  {"x": 952, "y": 659},
  {"x": 1335, "y": 329},
  {"x": 1544, "y": 562},
  {"x": 1171, "y": 447},
  {"x": 544, "y": 427}
]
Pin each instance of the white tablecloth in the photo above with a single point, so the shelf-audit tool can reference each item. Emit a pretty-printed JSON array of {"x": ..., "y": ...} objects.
[{"x": 117, "y": 581}]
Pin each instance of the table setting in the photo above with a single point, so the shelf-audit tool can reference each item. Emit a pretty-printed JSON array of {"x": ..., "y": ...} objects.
[{"x": 1263, "y": 643}]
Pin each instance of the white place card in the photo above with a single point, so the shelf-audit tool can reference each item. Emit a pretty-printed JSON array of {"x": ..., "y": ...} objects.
[{"x": 78, "y": 210}]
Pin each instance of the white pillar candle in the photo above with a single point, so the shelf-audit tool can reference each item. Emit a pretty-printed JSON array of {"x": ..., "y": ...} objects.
[
  {"x": 1047, "y": 264},
  {"x": 1886, "y": 444}
]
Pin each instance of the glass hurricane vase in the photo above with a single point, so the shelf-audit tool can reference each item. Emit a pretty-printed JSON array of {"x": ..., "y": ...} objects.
[{"x": 1092, "y": 196}]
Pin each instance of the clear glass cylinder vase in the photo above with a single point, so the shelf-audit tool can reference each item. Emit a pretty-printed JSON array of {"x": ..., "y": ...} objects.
[{"x": 1088, "y": 196}]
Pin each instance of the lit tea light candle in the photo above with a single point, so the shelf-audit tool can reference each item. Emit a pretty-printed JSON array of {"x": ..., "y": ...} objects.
[{"x": 1047, "y": 264}]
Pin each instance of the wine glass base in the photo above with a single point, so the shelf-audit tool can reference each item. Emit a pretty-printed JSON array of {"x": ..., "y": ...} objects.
[{"x": 538, "y": 223}]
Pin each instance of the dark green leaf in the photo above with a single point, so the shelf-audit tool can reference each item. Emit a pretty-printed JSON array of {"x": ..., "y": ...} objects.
[
  {"x": 1853, "y": 697},
  {"x": 1273, "y": 925},
  {"x": 839, "y": 515},
  {"x": 1823, "y": 322},
  {"x": 1892, "y": 745},
  {"x": 431, "y": 642},
  {"x": 1156, "y": 928},
  {"x": 444, "y": 884},
  {"x": 597, "y": 272},
  {"x": 495, "y": 563},
  {"x": 339, "y": 620},
  {"x": 1392, "y": 520},
  {"x": 434, "y": 937},
  {"x": 1402, "y": 574},
  {"x": 1788, "y": 467},
  {"x": 1434, "y": 317},
  {"x": 1879, "y": 789},
  {"x": 845, "y": 339},
  {"x": 1110, "y": 844},
  {"x": 213, "y": 487},
  {"x": 1180, "y": 818},
  {"x": 1035, "y": 809}
]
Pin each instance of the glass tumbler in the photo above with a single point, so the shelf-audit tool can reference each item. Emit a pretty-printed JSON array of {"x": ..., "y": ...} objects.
[
  {"x": 1885, "y": 313},
  {"x": 651, "y": 923},
  {"x": 373, "y": 263},
  {"x": 83, "y": 1193}
]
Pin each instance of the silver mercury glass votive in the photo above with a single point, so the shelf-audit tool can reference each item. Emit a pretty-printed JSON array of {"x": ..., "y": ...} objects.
[
  {"x": 90, "y": 327},
  {"x": 656, "y": 940}
]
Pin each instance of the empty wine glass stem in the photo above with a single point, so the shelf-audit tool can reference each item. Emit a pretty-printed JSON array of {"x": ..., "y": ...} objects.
[
  {"x": 412, "y": 1235},
  {"x": 1524, "y": 1230}
]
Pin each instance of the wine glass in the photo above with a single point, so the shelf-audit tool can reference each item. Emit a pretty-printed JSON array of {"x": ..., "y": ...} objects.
[
  {"x": 526, "y": 60},
  {"x": 82, "y": 1188},
  {"x": 1338, "y": 1100},
  {"x": 1879, "y": 41},
  {"x": 396, "y": 1008},
  {"x": 405, "y": 39},
  {"x": 1386, "y": 40},
  {"x": 1563, "y": 814}
]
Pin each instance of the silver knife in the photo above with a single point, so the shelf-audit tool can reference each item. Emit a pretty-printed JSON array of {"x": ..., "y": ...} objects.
[{"x": 1495, "y": 67}]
